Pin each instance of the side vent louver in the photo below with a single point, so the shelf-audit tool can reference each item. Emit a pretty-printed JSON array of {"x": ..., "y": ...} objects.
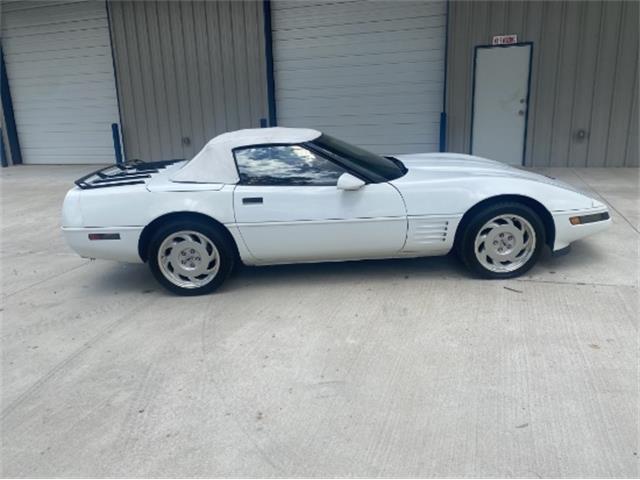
[{"x": 430, "y": 231}]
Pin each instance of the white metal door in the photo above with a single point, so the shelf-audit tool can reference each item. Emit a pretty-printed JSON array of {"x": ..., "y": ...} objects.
[
  {"x": 500, "y": 99},
  {"x": 60, "y": 70},
  {"x": 310, "y": 223},
  {"x": 369, "y": 72}
]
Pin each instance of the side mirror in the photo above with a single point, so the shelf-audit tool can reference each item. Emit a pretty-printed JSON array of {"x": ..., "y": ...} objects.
[{"x": 349, "y": 182}]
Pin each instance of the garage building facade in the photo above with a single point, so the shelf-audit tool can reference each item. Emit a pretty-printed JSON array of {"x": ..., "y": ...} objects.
[
  {"x": 58, "y": 63},
  {"x": 88, "y": 81}
]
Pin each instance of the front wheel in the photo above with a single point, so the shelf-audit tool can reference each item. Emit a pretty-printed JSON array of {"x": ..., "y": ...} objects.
[
  {"x": 502, "y": 240},
  {"x": 190, "y": 258}
]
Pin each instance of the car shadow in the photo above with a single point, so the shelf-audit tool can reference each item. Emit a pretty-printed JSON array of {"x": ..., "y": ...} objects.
[
  {"x": 349, "y": 272},
  {"x": 125, "y": 278},
  {"x": 581, "y": 252},
  {"x": 129, "y": 278}
]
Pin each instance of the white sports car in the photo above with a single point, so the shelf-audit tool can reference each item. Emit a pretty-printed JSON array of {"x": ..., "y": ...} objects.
[{"x": 287, "y": 195}]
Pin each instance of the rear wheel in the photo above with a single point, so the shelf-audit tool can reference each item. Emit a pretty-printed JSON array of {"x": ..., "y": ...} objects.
[
  {"x": 502, "y": 240},
  {"x": 190, "y": 258}
]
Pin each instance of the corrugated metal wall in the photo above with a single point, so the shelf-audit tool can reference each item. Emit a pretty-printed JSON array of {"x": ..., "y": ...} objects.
[
  {"x": 370, "y": 72},
  {"x": 186, "y": 72},
  {"x": 584, "y": 76},
  {"x": 60, "y": 71}
]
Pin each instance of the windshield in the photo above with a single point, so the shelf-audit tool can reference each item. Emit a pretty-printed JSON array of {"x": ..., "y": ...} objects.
[{"x": 372, "y": 166}]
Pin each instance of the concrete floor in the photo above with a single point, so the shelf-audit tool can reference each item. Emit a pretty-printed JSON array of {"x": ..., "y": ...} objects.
[{"x": 390, "y": 368}]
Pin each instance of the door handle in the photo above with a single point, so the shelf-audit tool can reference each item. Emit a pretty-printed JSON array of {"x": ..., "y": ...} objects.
[{"x": 251, "y": 200}]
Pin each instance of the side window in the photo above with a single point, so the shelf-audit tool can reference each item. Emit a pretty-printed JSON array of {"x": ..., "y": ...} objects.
[{"x": 285, "y": 165}]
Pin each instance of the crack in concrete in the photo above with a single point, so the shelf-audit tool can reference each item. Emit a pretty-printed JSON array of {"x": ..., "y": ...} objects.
[
  {"x": 40, "y": 282},
  {"x": 574, "y": 283}
]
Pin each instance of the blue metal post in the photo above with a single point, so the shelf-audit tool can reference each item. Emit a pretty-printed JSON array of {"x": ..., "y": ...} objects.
[
  {"x": 268, "y": 48},
  {"x": 3, "y": 154},
  {"x": 10, "y": 121},
  {"x": 443, "y": 132},
  {"x": 117, "y": 146}
]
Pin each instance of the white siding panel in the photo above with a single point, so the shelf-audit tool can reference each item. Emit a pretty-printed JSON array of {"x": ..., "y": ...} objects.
[
  {"x": 60, "y": 69},
  {"x": 370, "y": 72}
]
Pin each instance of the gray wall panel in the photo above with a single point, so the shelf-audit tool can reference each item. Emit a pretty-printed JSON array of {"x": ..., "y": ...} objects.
[
  {"x": 610, "y": 23},
  {"x": 584, "y": 76},
  {"x": 191, "y": 69},
  {"x": 565, "y": 85},
  {"x": 458, "y": 78},
  {"x": 590, "y": 14},
  {"x": 633, "y": 154},
  {"x": 532, "y": 27},
  {"x": 623, "y": 82},
  {"x": 370, "y": 72}
]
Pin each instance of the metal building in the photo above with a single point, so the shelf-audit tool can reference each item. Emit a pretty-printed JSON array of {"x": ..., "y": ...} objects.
[{"x": 82, "y": 77}]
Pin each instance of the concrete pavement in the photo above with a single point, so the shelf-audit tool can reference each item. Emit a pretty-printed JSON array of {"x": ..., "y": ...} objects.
[{"x": 387, "y": 368}]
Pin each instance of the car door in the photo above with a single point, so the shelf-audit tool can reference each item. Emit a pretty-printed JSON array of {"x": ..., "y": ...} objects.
[{"x": 288, "y": 208}]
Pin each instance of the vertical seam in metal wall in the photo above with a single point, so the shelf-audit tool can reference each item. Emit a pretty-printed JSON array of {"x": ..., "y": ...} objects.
[
  {"x": 594, "y": 82},
  {"x": 634, "y": 96},
  {"x": 218, "y": 46},
  {"x": 115, "y": 79},
  {"x": 213, "y": 95},
  {"x": 136, "y": 128},
  {"x": 163, "y": 76},
  {"x": 533, "y": 123},
  {"x": 613, "y": 84},
  {"x": 573, "y": 83},
  {"x": 186, "y": 74},
  {"x": 181, "y": 112},
  {"x": 245, "y": 60},
  {"x": 197, "y": 74},
  {"x": 268, "y": 50},
  {"x": 246, "y": 63},
  {"x": 144, "y": 99},
  {"x": 154, "y": 87},
  {"x": 556, "y": 80},
  {"x": 581, "y": 44},
  {"x": 235, "y": 66}
]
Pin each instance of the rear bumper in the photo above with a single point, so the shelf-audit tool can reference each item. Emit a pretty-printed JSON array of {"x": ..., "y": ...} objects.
[
  {"x": 113, "y": 243},
  {"x": 566, "y": 233}
]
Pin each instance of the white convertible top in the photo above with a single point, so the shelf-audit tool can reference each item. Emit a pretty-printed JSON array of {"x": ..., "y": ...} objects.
[{"x": 215, "y": 163}]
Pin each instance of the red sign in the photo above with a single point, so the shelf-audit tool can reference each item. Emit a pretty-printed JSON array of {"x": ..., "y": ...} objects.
[{"x": 504, "y": 39}]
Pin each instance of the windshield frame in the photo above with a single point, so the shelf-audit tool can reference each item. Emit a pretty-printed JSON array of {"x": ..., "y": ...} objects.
[{"x": 367, "y": 165}]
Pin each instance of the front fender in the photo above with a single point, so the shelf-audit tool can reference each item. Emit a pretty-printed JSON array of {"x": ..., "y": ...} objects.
[{"x": 457, "y": 196}]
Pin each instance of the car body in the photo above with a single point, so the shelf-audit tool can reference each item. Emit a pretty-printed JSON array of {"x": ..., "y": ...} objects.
[{"x": 287, "y": 195}]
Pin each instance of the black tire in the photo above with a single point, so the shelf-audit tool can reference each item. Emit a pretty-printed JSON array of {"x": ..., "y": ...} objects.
[
  {"x": 466, "y": 246},
  {"x": 225, "y": 258}
]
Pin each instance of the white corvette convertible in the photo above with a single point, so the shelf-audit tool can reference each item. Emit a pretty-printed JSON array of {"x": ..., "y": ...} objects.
[{"x": 285, "y": 195}]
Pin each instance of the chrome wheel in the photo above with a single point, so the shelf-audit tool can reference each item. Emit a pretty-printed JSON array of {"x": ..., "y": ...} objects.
[
  {"x": 188, "y": 259},
  {"x": 505, "y": 243}
]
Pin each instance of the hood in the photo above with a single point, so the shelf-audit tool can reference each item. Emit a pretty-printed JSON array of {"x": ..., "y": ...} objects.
[{"x": 440, "y": 166}]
